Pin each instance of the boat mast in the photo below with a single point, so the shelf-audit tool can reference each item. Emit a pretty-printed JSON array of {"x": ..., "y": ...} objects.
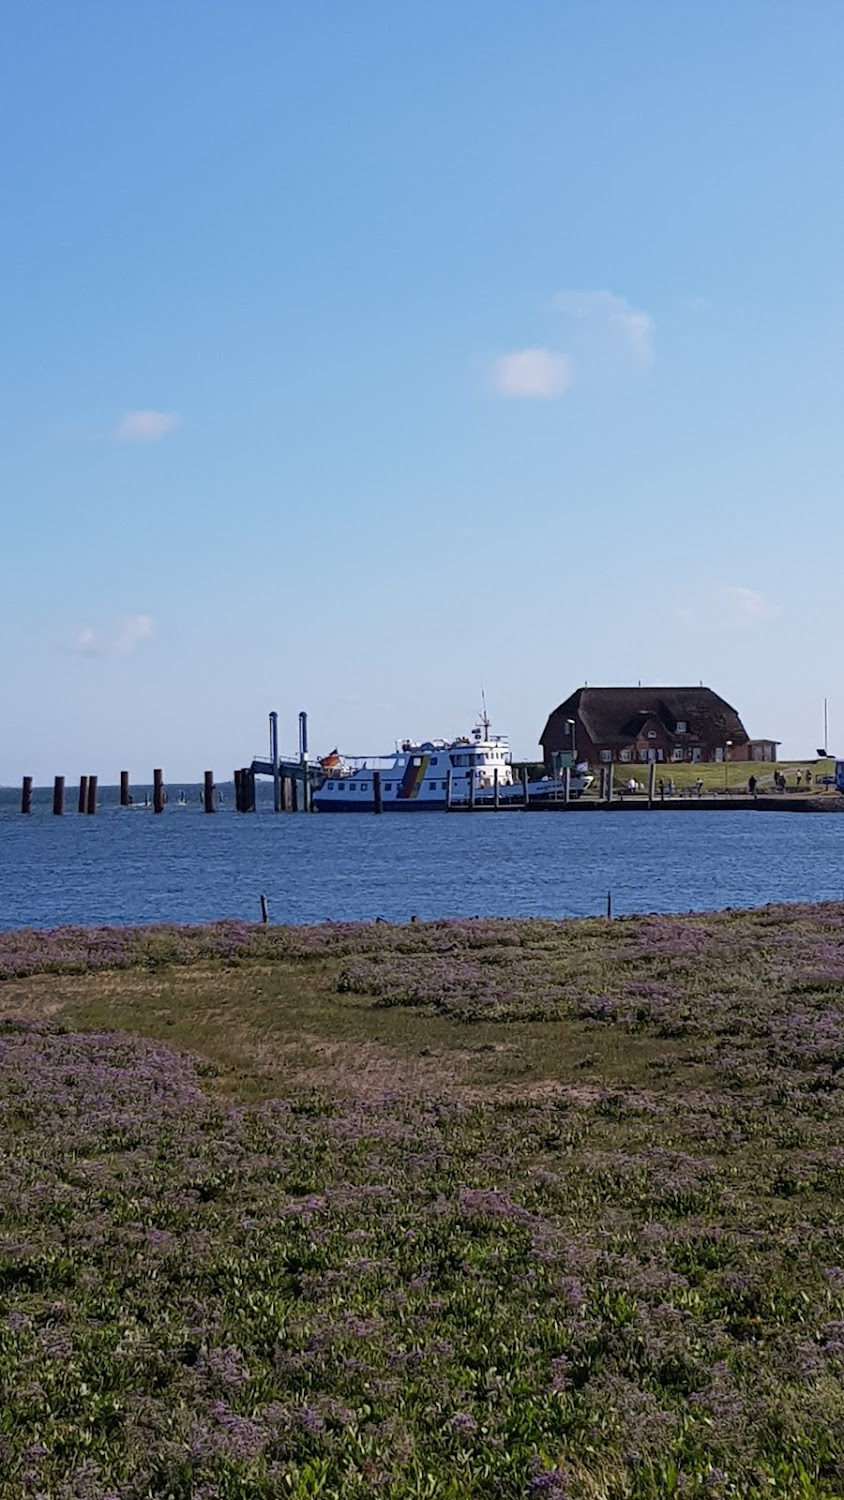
[{"x": 484, "y": 715}]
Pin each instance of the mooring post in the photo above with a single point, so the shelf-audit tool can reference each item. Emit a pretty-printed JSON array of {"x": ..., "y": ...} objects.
[
  {"x": 26, "y": 794},
  {"x": 471, "y": 788},
  {"x": 567, "y": 784},
  {"x": 82, "y": 804},
  {"x": 286, "y": 795},
  {"x": 449, "y": 782},
  {"x": 250, "y": 789},
  {"x": 609, "y": 783},
  {"x": 274, "y": 761},
  {"x": 525, "y": 786},
  {"x": 609, "y": 906},
  {"x": 652, "y": 783},
  {"x": 376, "y": 789},
  {"x": 303, "y": 759},
  {"x": 158, "y": 790},
  {"x": 496, "y": 800},
  {"x": 236, "y": 780},
  {"x": 125, "y": 794},
  {"x": 208, "y": 792},
  {"x": 58, "y": 796},
  {"x": 92, "y": 796},
  {"x": 265, "y": 915}
]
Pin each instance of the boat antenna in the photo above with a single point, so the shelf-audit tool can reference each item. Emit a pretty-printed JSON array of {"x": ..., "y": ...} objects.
[{"x": 484, "y": 715}]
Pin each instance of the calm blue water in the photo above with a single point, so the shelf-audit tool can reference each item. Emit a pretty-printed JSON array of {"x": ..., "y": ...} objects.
[{"x": 127, "y": 866}]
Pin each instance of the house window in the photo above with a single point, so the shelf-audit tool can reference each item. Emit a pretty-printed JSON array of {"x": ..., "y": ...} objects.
[
  {"x": 606, "y": 756},
  {"x": 651, "y": 734},
  {"x": 677, "y": 752},
  {"x": 625, "y": 756},
  {"x": 697, "y": 753},
  {"x": 644, "y": 755},
  {"x": 681, "y": 726}
]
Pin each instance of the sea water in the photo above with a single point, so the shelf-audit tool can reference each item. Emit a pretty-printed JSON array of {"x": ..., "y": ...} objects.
[{"x": 129, "y": 866}]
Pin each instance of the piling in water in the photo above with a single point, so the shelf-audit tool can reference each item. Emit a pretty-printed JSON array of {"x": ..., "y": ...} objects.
[
  {"x": 82, "y": 804},
  {"x": 376, "y": 791},
  {"x": 26, "y": 794},
  {"x": 92, "y": 796},
  {"x": 158, "y": 790},
  {"x": 58, "y": 796},
  {"x": 125, "y": 794},
  {"x": 265, "y": 915},
  {"x": 208, "y": 792}
]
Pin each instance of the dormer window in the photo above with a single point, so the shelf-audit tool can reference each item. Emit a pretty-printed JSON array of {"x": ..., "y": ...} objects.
[{"x": 682, "y": 726}]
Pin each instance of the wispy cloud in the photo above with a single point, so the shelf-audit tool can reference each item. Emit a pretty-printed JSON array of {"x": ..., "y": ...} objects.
[
  {"x": 533, "y": 373},
  {"x": 128, "y": 634},
  {"x": 610, "y": 324},
  {"x": 145, "y": 426},
  {"x": 731, "y": 608}
]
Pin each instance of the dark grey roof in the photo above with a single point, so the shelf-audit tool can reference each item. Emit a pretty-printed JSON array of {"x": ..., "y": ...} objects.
[{"x": 616, "y": 714}]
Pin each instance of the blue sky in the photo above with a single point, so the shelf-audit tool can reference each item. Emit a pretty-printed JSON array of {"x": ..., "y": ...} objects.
[{"x": 358, "y": 356}]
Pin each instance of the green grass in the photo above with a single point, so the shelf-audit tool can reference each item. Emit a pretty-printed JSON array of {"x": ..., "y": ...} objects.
[
  {"x": 477, "y": 1209},
  {"x": 732, "y": 776}
]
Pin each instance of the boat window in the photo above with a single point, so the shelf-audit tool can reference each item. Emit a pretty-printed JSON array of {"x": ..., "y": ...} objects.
[
  {"x": 352, "y": 787},
  {"x": 364, "y": 786},
  {"x": 432, "y": 786},
  {"x": 417, "y": 760},
  {"x": 434, "y": 760},
  {"x": 331, "y": 786},
  {"x": 388, "y": 786}
]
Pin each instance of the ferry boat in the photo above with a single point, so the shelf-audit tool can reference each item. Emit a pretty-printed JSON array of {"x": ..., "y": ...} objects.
[{"x": 422, "y": 777}]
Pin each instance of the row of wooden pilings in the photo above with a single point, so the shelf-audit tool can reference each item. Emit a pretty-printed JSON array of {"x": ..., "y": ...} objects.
[
  {"x": 87, "y": 795},
  {"x": 291, "y": 794}
]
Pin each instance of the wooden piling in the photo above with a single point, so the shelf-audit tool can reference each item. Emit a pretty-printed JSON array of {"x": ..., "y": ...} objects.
[
  {"x": 496, "y": 800},
  {"x": 449, "y": 783},
  {"x": 82, "y": 804},
  {"x": 609, "y": 906},
  {"x": 265, "y": 915},
  {"x": 158, "y": 790},
  {"x": 525, "y": 786},
  {"x": 376, "y": 788},
  {"x": 208, "y": 792},
  {"x": 472, "y": 789},
  {"x": 651, "y": 783},
  {"x": 294, "y": 794},
  {"x": 609, "y": 783},
  {"x": 92, "y": 796},
  {"x": 58, "y": 796},
  {"x": 125, "y": 794},
  {"x": 26, "y": 794},
  {"x": 567, "y": 784},
  {"x": 286, "y": 794}
]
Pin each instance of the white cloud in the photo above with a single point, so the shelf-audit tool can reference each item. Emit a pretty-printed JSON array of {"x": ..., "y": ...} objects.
[
  {"x": 125, "y": 637},
  {"x": 612, "y": 322},
  {"x": 535, "y": 373},
  {"x": 726, "y": 609},
  {"x": 145, "y": 426}
]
